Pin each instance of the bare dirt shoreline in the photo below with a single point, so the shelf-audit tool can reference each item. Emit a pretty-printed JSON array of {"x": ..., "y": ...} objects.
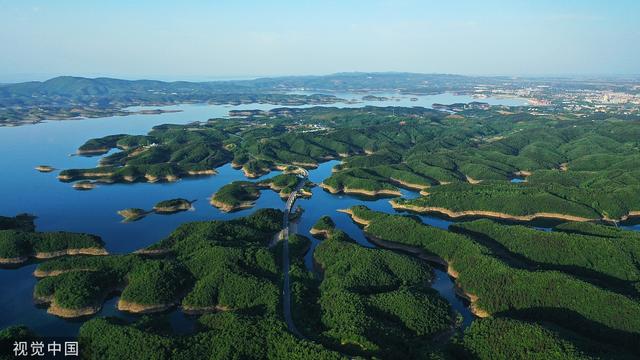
[
  {"x": 486, "y": 213},
  {"x": 347, "y": 190}
]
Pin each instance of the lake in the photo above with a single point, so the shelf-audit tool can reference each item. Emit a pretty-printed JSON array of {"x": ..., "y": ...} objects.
[{"x": 59, "y": 207}]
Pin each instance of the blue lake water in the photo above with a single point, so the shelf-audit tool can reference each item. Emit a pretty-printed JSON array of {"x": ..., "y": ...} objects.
[{"x": 59, "y": 207}]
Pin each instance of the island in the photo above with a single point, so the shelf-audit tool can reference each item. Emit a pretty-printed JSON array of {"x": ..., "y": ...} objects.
[
  {"x": 323, "y": 227},
  {"x": 482, "y": 254},
  {"x": 19, "y": 242},
  {"x": 236, "y": 196},
  {"x": 79, "y": 286},
  {"x": 44, "y": 168},
  {"x": 165, "y": 207},
  {"x": 172, "y": 206},
  {"x": 240, "y": 195},
  {"x": 374, "y": 98},
  {"x": 133, "y": 214}
]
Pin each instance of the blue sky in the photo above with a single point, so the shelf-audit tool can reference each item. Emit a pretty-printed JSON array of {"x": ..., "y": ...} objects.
[{"x": 229, "y": 39}]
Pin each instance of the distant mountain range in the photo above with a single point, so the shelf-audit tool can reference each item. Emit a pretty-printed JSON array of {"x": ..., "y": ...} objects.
[
  {"x": 117, "y": 89},
  {"x": 68, "y": 97}
]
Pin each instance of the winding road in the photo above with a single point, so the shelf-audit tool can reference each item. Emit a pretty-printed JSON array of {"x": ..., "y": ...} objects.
[{"x": 286, "y": 287}]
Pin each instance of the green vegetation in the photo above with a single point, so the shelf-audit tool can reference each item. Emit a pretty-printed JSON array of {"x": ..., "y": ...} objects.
[
  {"x": 23, "y": 222},
  {"x": 221, "y": 268},
  {"x": 284, "y": 184},
  {"x": 610, "y": 259},
  {"x": 510, "y": 199},
  {"x": 511, "y": 339},
  {"x": 166, "y": 154},
  {"x": 376, "y": 301},
  {"x": 500, "y": 286},
  {"x": 10, "y": 335},
  {"x": 323, "y": 227},
  {"x": 19, "y": 241},
  {"x": 325, "y": 223},
  {"x": 68, "y": 97},
  {"x": 236, "y": 196},
  {"x": 101, "y": 145},
  {"x": 172, "y": 206},
  {"x": 165, "y": 207},
  {"x": 243, "y": 194},
  {"x": 155, "y": 282},
  {"x": 304, "y": 284},
  {"x": 585, "y": 228},
  {"x": 213, "y": 265},
  {"x": 76, "y": 290},
  {"x": 169, "y": 152},
  {"x": 227, "y": 335},
  {"x": 544, "y": 295},
  {"x": 574, "y": 167},
  {"x": 360, "y": 181}
]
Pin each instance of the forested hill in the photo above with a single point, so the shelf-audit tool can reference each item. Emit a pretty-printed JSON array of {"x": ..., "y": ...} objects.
[
  {"x": 70, "y": 86},
  {"x": 69, "y": 90},
  {"x": 68, "y": 97}
]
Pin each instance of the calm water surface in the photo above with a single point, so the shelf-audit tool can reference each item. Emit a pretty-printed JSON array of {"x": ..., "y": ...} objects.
[{"x": 59, "y": 207}]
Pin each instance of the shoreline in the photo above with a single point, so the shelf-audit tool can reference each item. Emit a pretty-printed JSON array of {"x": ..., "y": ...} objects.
[
  {"x": 71, "y": 252},
  {"x": 14, "y": 261},
  {"x": 51, "y": 273},
  {"x": 173, "y": 209},
  {"x": 53, "y": 254},
  {"x": 55, "y": 309},
  {"x": 136, "y": 308},
  {"x": 320, "y": 233},
  {"x": 421, "y": 254},
  {"x": 408, "y": 185},
  {"x": 129, "y": 215},
  {"x": 109, "y": 113},
  {"x": 44, "y": 168},
  {"x": 486, "y": 213},
  {"x": 372, "y": 193},
  {"x": 224, "y": 207}
]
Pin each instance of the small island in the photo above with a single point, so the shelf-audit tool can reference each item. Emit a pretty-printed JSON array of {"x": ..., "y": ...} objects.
[
  {"x": 74, "y": 287},
  {"x": 172, "y": 206},
  {"x": 19, "y": 242},
  {"x": 44, "y": 168},
  {"x": 166, "y": 207},
  {"x": 236, "y": 196},
  {"x": 323, "y": 227},
  {"x": 133, "y": 214},
  {"x": 84, "y": 185},
  {"x": 242, "y": 194},
  {"x": 374, "y": 98}
]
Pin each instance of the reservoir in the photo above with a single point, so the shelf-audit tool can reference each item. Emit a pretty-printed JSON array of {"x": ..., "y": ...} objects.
[{"x": 59, "y": 207}]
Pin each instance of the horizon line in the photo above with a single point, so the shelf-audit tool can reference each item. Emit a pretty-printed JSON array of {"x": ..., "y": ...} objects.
[{"x": 42, "y": 77}]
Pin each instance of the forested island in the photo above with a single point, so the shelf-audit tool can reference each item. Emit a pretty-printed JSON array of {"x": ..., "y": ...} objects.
[
  {"x": 563, "y": 297},
  {"x": 165, "y": 207},
  {"x": 19, "y": 242},
  {"x": 240, "y": 195},
  {"x": 367, "y": 302},
  {"x": 572, "y": 292},
  {"x": 577, "y": 169}
]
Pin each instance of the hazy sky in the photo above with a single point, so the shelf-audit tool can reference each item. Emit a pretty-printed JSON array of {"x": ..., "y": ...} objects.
[{"x": 207, "y": 39}]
